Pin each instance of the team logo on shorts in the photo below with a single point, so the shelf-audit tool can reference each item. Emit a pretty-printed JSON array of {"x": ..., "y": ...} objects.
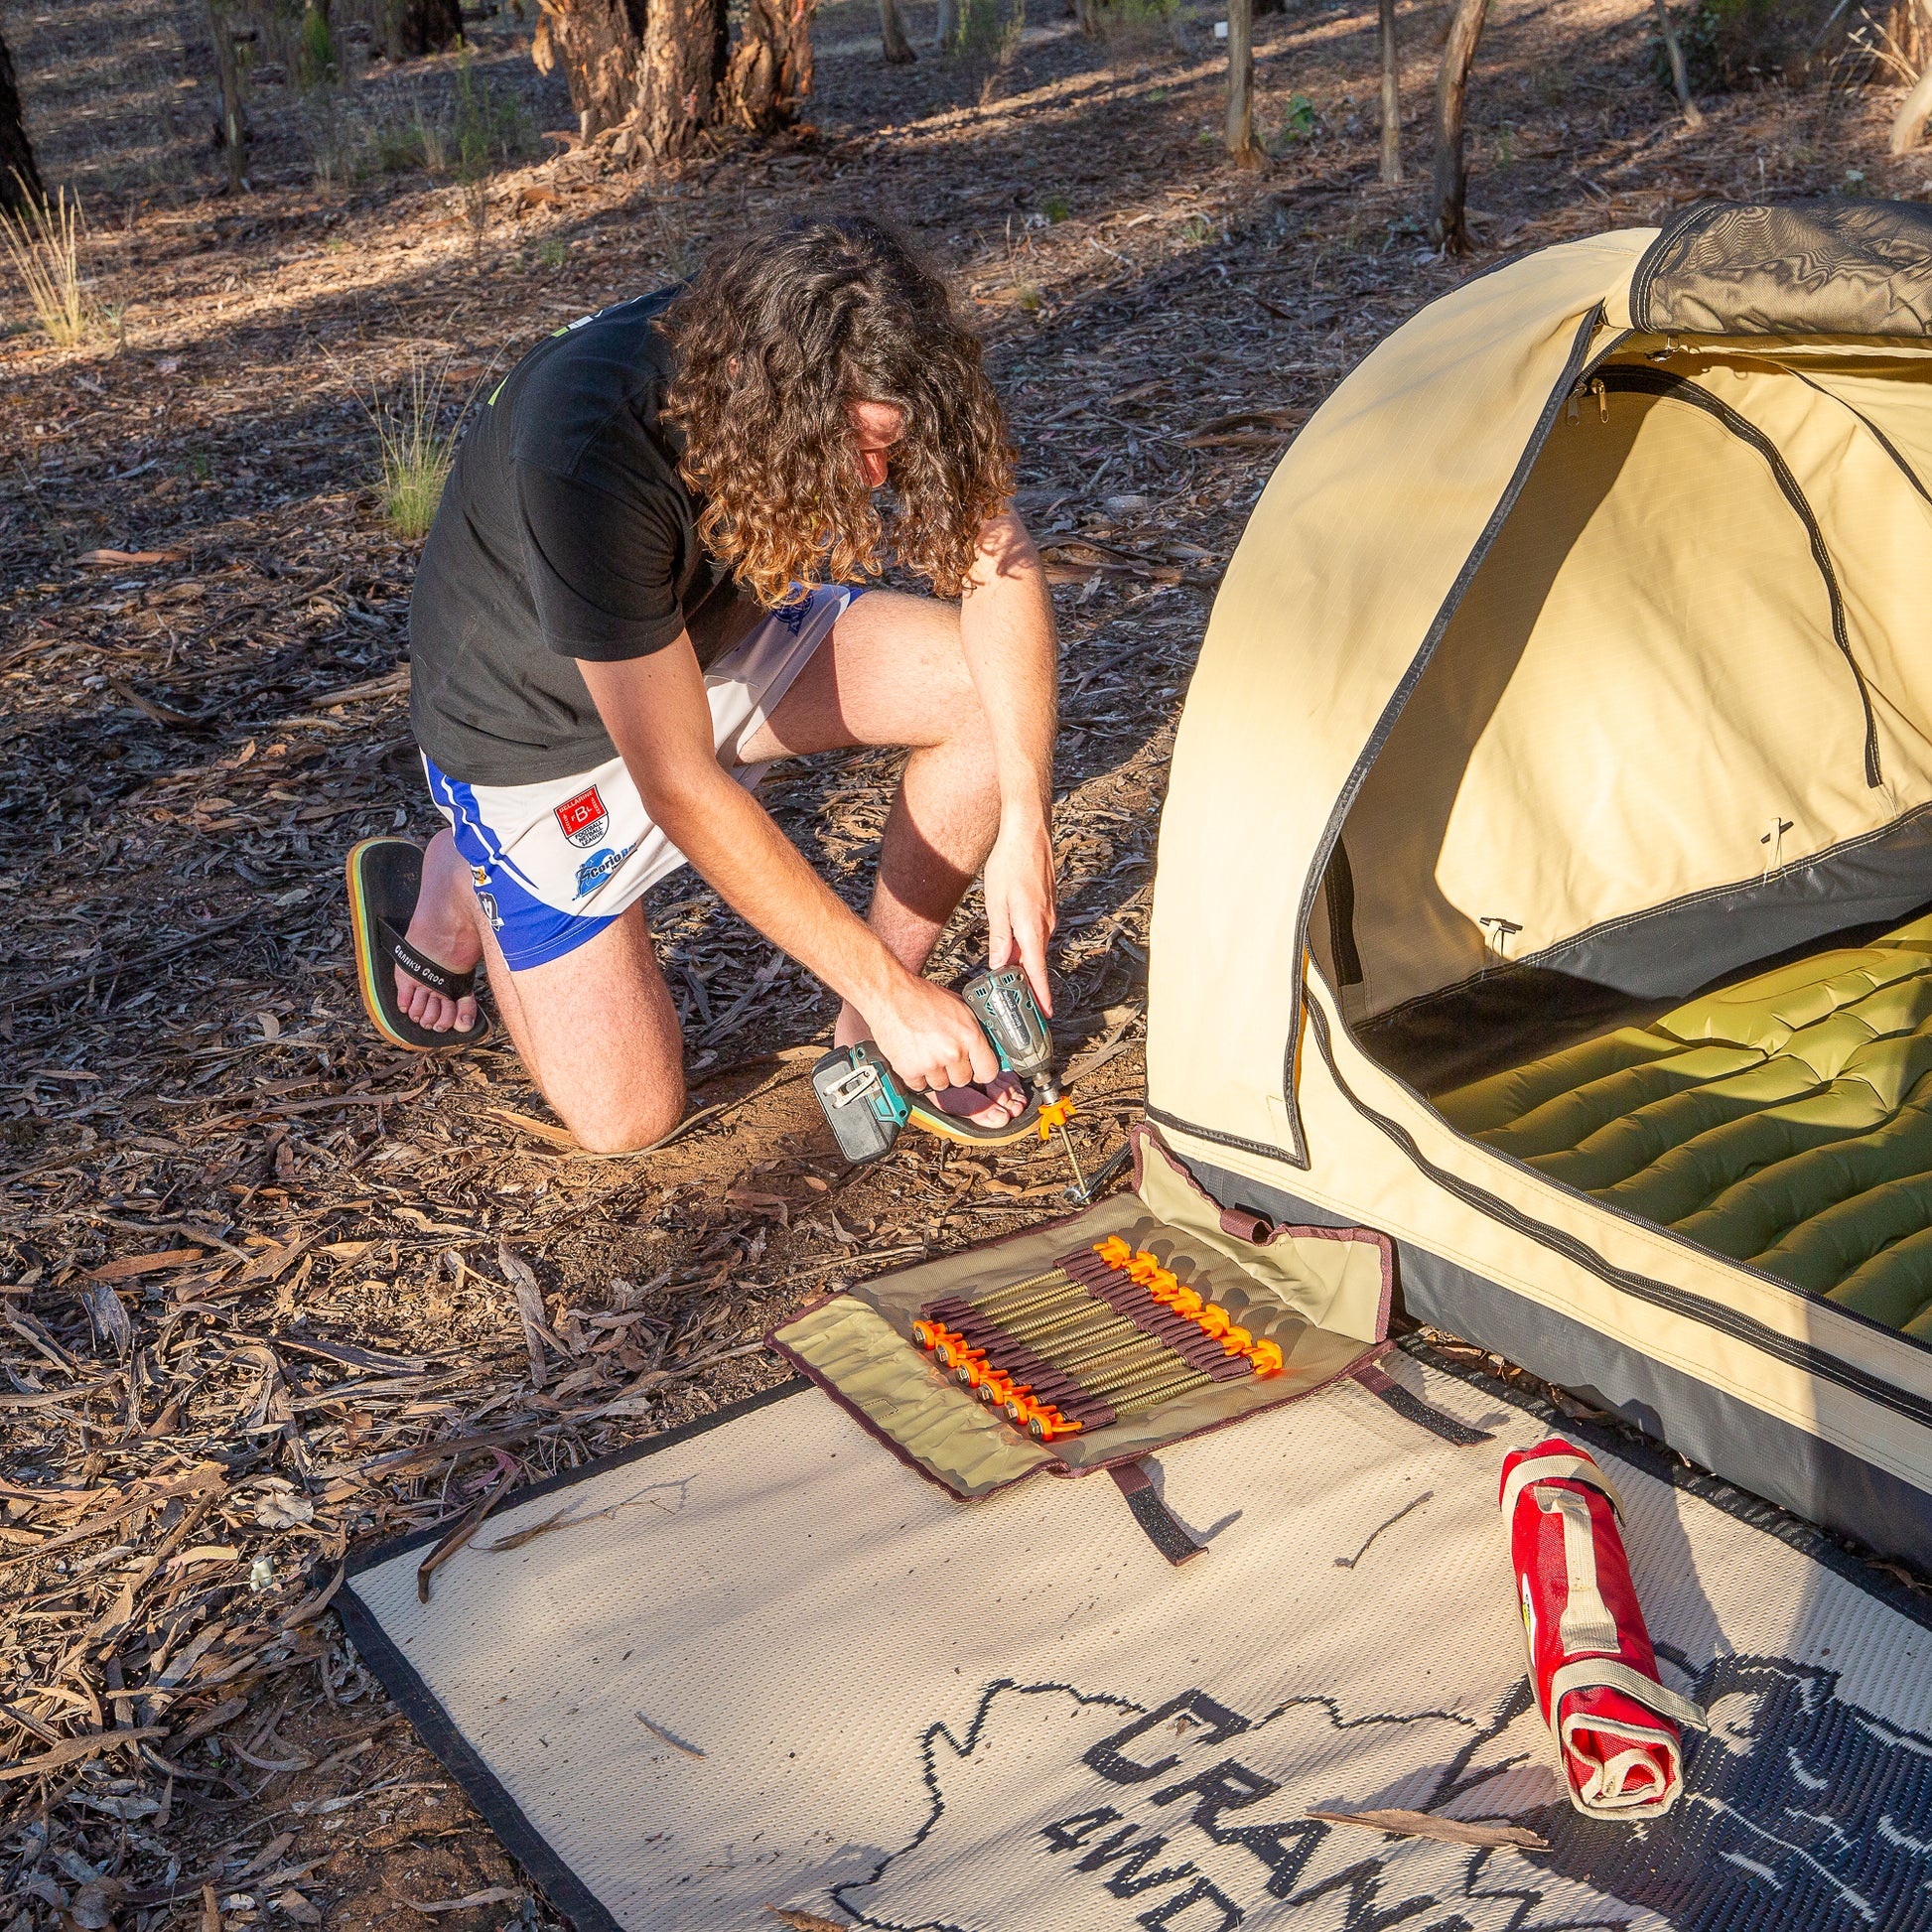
[
  {"x": 583, "y": 819},
  {"x": 599, "y": 867}
]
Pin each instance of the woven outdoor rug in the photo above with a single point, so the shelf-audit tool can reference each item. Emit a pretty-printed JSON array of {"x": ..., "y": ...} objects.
[{"x": 759, "y": 1663}]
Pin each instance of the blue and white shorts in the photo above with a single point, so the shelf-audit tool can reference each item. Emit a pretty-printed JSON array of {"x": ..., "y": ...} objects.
[{"x": 555, "y": 863}]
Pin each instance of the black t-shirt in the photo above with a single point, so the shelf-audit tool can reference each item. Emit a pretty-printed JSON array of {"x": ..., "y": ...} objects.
[{"x": 565, "y": 532}]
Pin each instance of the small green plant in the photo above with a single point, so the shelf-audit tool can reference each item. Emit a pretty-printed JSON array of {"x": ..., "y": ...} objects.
[
  {"x": 1197, "y": 230},
  {"x": 987, "y": 33},
  {"x": 1298, "y": 118},
  {"x": 1028, "y": 297},
  {"x": 396, "y": 147},
  {"x": 553, "y": 252},
  {"x": 488, "y": 128},
  {"x": 199, "y": 469},
  {"x": 414, "y": 449},
  {"x": 1505, "y": 145},
  {"x": 44, "y": 244},
  {"x": 1154, "y": 93},
  {"x": 316, "y": 65},
  {"x": 1054, "y": 209}
]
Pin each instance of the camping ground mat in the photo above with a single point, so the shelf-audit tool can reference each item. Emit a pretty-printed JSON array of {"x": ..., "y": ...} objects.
[{"x": 759, "y": 1663}]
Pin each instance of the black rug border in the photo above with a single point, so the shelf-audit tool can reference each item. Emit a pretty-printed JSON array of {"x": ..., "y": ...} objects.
[
  {"x": 571, "y": 1897},
  {"x": 419, "y": 1704}
]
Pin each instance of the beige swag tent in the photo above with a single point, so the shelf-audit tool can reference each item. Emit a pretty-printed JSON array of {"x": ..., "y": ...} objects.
[{"x": 1551, "y": 815}]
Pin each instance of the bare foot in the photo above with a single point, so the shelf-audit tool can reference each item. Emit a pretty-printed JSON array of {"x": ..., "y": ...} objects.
[
  {"x": 442, "y": 928},
  {"x": 994, "y": 1105}
]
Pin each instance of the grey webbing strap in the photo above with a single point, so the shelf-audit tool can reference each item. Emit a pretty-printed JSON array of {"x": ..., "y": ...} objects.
[
  {"x": 1164, "y": 1528},
  {"x": 1610, "y": 1674}
]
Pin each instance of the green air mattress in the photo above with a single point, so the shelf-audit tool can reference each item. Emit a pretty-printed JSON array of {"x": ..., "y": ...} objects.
[{"x": 1785, "y": 1122}]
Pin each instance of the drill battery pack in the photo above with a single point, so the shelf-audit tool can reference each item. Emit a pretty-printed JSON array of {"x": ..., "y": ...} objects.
[{"x": 858, "y": 1094}]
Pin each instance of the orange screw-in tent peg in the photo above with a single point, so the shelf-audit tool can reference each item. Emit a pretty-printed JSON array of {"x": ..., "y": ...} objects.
[
  {"x": 1183, "y": 1301},
  {"x": 1113, "y": 1251},
  {"x": 1056, "y": 1113},
  {"x": 1045, "y": 1423},
  {"x": 1237, "y": 1342},
  {"x": 1213, "y": 1319},
  {"x": 1267, "y": 1357}
]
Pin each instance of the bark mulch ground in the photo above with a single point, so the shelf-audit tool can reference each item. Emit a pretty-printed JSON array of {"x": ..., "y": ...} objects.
[{"x": 270, "y": 1290}]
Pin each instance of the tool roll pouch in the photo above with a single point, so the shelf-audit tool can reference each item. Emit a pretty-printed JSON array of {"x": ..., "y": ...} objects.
[{"x": 1318, "y": 1295}]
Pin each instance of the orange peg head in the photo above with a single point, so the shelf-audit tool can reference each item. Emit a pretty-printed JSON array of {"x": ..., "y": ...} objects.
[
  {"x": 1214, "y": 1318},
  {"x": 1237, "y": 1342},
  {"x": 1267, "y": 1358},
  {"x": 1113, "y": 1251},
  {"x": 1056, "y": 1113},
  {"x": 1185, "y": 1302}
]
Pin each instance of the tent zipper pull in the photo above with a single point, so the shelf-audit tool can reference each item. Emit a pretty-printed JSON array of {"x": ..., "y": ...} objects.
[{"x": 1603, "y": 396}]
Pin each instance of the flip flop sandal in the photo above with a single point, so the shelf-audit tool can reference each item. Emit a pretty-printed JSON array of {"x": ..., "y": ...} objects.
[
  {"x": 921, "y": 1111},
  {"x": 385, "y": 878}
]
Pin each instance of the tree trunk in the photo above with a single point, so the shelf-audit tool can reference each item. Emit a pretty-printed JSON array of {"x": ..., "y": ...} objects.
[
  {"x": 20, "y": 180},
  {"x": 1391, "y": 99},
  {"x": 678, "y": 73},
  {"x": 1680, "y": 77},
  {"x": 1092, "y": 17},
  {"x": 233, "y": 124},
  {"x": 1243, "y": 150},
  {"x": 418, "y": 27},
  {"x": 1913, "y": 113},
  {"x": 599, "y": 44},
  {"x": 769, "y": 72},
  {"x": 1447, "y": 226},
  {"x": 892, "y": 35}
]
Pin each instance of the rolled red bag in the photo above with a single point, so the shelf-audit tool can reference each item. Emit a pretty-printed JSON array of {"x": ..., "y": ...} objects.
[{"x": 1592, "y": 1666}]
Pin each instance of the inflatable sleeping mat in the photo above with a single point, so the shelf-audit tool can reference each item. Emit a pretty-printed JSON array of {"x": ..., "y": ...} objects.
[{"x": 1785, "y": 1122}]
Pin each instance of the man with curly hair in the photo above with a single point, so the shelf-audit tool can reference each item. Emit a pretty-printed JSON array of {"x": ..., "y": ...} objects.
[{"x": 644, "y": 584}]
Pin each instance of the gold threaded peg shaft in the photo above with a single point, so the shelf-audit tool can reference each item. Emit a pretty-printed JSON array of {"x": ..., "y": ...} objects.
[
  {"x": 998, "y": 1298},
  {"x": 1149, "y": 1398}
]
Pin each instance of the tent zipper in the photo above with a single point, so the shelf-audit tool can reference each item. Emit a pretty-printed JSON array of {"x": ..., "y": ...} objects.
[
  {"x": 1675, "y": 388},
  {"x": 1575, "y": 365}
]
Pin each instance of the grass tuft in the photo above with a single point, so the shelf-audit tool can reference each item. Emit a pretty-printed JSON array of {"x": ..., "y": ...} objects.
[
  {"x": 43, "y": 243},
  {"x": 414, "y": 450}
]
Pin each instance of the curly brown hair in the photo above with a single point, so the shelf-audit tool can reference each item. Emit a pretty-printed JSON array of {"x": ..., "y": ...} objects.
[{"x": 771, "y": 342}]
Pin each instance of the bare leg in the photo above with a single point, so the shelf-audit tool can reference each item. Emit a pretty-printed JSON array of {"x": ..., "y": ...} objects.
[
  {"x": 597, "y": 1028},
  {"x": 597, "y": 1031},
  {"x": 893, "y": 675}
]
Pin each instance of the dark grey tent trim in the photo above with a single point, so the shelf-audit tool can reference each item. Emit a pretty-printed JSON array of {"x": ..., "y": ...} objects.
[
  {"x": 1801, "y": 268},
  {"x": 1686, "y": 946},
  {"x": 1573, "y": 368},
  {"x": 1667, "y": 387},
  {"x": 1877, "y": 435},
  {"x": 1820, "y": 1362},
  {"x": 1790, "y": 1467},
  {"x": 1744, "y": 1505}
]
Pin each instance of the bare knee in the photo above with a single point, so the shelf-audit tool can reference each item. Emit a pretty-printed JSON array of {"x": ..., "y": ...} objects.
[{"x": 625, "y": 1123}]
